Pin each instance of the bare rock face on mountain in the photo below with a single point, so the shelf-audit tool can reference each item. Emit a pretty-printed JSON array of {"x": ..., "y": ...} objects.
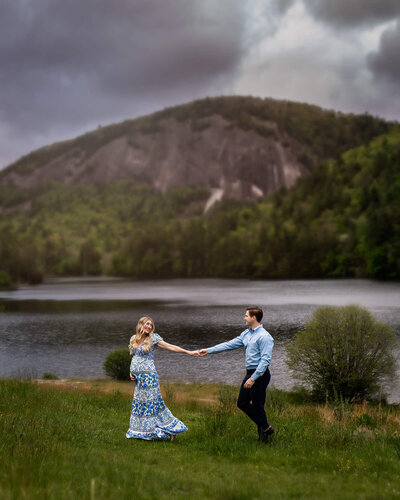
[{"x": 230, "y": 161}]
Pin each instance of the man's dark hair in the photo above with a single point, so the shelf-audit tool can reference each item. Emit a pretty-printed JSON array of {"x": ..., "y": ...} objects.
[{"x": 255, "y": 311}]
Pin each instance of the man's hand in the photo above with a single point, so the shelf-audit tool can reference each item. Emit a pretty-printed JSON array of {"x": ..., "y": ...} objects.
[
  {"x": 193, "y": 353},
  {"x": 203, "y": 352},
  {"x": 249, "y": 383}
]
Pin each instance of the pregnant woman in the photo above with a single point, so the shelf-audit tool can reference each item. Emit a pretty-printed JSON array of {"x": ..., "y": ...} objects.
[{"x": 150, "y": 418}]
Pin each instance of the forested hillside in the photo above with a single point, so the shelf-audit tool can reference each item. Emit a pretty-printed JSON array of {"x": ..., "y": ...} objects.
[{"x": 341, "y": 220}]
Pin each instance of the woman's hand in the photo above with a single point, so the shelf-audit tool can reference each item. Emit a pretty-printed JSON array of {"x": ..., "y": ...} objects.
[
  {"x": 193, "y": 353},
  {"x": 132, "y": 377}
]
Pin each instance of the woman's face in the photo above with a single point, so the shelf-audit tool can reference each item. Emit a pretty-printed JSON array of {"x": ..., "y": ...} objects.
[{"x": 148, "y": 327}]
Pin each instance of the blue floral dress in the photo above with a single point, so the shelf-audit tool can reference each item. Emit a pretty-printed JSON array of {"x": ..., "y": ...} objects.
[{"x": 150, "y": 418}]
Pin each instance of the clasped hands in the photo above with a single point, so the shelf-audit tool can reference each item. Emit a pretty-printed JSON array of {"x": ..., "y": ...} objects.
[{"x": 199, "y": 353}]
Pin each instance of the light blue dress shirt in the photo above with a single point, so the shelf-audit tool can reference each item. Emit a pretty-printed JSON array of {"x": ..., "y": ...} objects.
[{"x": 258, "y": 344}]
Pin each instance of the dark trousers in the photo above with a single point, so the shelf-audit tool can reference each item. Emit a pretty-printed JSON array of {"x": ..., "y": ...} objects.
[{"x": 252, "y": 401}]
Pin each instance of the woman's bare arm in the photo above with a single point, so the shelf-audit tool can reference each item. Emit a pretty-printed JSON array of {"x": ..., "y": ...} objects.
[{"x": 175, "y": 348}]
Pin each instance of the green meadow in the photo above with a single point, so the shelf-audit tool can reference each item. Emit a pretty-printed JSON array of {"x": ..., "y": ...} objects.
[{"x": 68, "y": 441}]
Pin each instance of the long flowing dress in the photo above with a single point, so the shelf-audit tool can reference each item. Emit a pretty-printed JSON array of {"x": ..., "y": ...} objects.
[{"x": 150, "y": 418}]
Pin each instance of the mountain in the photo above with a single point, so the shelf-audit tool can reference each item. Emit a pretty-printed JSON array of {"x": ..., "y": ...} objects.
[
  {"x": 339, "y": 220},
  {"x": 237, "y": 147}
]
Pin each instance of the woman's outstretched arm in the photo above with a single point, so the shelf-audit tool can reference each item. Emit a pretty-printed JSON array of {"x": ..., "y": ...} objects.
[{"x": 175, "y": 348}]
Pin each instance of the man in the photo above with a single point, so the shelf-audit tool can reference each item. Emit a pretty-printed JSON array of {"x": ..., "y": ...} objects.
[{"x": 258, "y": 343}]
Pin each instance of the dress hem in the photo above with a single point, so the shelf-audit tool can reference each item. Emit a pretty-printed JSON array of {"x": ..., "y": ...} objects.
[{"x": 158, "y": 434}]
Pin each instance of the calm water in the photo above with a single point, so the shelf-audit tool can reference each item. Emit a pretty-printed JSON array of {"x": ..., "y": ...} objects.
[{"x": 68, "y": 326}]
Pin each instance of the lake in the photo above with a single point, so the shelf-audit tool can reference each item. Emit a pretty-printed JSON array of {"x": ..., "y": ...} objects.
[{"x": 68, "y": 326}]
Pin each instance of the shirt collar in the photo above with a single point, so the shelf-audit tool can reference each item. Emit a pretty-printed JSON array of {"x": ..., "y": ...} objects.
[{"x": 255, "y": 329}]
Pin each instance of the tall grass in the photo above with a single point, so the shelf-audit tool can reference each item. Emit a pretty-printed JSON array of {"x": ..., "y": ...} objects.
[{"x": 70, "y": 444}]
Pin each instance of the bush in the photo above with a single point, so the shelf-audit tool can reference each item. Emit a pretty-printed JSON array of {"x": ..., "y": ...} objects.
[
  {"x": 343, "y": 352},
  {"x": 116, "y": 364},
  {"x": 5, "y": 280},
  {"x": 49, "y": 376}
]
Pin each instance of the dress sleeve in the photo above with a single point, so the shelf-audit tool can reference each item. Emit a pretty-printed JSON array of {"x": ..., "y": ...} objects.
[{"x": 155, "y": 339}]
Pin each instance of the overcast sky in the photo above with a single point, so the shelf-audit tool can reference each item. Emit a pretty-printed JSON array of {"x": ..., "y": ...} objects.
[{"x": 67, "y": 66}]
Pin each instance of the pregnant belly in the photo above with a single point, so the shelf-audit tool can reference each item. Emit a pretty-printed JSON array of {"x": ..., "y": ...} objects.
[{"x": 139, "y": 365}]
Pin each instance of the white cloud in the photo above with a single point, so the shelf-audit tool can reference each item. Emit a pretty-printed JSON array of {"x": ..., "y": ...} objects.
[{"x": 304, "y": 61}]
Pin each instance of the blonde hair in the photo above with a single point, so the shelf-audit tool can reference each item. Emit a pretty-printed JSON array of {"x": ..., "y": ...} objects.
[{"x": 141, "y": 337}]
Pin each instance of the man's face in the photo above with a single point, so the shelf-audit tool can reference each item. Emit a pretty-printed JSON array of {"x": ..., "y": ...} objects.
[{"x": 250, "y": 320}]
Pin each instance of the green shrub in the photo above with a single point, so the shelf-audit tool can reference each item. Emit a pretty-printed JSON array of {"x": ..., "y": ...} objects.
[
  {"x": 49, "y": 376},
  {"x": 5, "y": 280},
  {"x": 343, "y": 352},
  {"x": 116, "y": 364}
]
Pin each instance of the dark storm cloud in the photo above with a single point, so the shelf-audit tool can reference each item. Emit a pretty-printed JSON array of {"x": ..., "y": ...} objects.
[
  {"x": 77, "y": 61},
  {"x": 67, "y": 66},
  {"x": 277, "y": 7},
  {"x": 283, "y": 5},
  {"x": 347, "y": 13},
  {"x": 385, "y": 63}
]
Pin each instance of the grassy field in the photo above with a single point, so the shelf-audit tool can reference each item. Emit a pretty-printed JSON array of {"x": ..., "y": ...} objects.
[{"x": 67, "y": 440}]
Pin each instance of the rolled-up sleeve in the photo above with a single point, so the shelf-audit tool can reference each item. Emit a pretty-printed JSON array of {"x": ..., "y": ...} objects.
[{"x": 266, "y": 343}]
